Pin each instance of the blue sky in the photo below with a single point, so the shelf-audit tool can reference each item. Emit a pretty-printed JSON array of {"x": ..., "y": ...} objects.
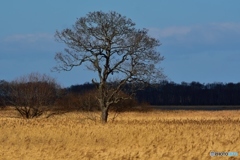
[{"x": 200, "y": 39}]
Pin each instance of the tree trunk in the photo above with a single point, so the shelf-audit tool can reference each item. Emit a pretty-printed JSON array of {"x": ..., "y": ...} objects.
[{"x": 104, "y": 115}]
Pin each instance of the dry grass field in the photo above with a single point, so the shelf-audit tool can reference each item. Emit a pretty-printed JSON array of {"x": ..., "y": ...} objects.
[{"x": 170, "y": 135}]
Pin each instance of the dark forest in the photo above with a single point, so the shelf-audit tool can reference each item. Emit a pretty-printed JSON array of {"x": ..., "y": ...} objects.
[{"x": 170, "y": 93}]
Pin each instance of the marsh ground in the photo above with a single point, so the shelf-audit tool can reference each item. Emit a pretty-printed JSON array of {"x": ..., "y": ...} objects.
[{"x": 159, "y": 134}]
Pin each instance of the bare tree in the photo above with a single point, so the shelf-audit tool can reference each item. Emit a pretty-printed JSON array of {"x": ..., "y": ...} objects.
[
  {"x": 109, "y": 44},
  {"x": 31, "y": 94},
  {"x": 3, "y": 93}
]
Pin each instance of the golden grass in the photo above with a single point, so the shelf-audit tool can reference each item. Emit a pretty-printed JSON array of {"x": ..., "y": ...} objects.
[{"x": 154, "y": 135}]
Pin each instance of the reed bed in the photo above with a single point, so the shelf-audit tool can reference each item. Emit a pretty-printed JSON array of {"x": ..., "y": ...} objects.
[{"x": 133, "y": 135}]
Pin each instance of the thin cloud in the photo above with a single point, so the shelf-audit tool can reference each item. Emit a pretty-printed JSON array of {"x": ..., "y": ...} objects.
[
  {"x": 235, "y": 27},
  {"x": 214, "y": 36},
  {"x": 213, "y": 30},
  {"x": 169, "y": 32},
  {"x": 29, "y": 38},
  {"x": 26, "y": 42}
]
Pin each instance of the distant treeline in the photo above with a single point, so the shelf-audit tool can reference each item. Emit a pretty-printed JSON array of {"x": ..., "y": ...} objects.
[
  {"x": 164, "y": 93},
  {"x": 170, "y": 93}
]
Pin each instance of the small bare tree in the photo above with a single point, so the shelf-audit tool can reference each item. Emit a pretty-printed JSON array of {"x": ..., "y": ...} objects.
[
  {"x": 109, "y": 44},
  {"x": 31, "y": 94}
]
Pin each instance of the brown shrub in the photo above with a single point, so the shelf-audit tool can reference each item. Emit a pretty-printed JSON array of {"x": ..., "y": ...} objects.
[
  {"x": 87, "y": 101},
  {"x": 31, "y": 95},
  {"x": 82, "y": 102}
]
